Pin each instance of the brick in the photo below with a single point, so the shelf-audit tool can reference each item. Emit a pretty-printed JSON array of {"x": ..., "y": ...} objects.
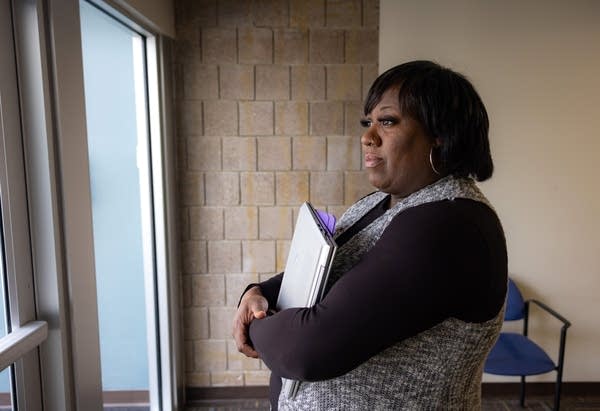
[
  {"x": 187, "y": 34},
  {"x": 274, "y": 153},
  {"x": 210, "y": 355},
  {"x": 256, "y": 118},
  {"x": 258, "y": 188},
  {"x": 239, "y": 153},
  {"x": 267, "y": 276},
  {"x": 327, "y": 187},
  {"x": 234, "y": 13},
  {"x": 235, "y": 284},
  {"x": 192, "y": 188},
  {"x": 343, "y": 13},
  {"x": 178, "y": 82},
  {"x": 202, "y": 13},
  {"x": 181, "y": 158},
  {"x": 222, "y": 188},
  {"x": 255, "y": 45},
  {"x": 369, "y": 74},
  {"x": 257, "y": 377},
  {"x": 283, "y": 249},
  {"x": 189, "y": 355},
  {"x": 291, "y": 46},
  {"x": 308, "y": 82},
  {"x": 241, "y": 223},
  {"x": 343, "y": 153},
  {"x": 371, "y": 14},
  {"x": 184, "y": 224},
  {"x": 291, "y": 188},
  {"x": 221, "y": 320},
  {"x": 226, "y": 378},
  {"x": 206, "y": 223},
  {"x": 353, "y": 112},
  {"x": 195, "y": 323},
  {"x": 220, "y": 118},
  {"x": 204, "y": 153},
  {"x": 275, "y": 223},
  {"x": 295, "y": 211},
  {"x": 186, "y": 291},
  {"x": 327, "y": 118},
  {"x": 224, "y": 257},
  {"x": 236, "y": 82},
  {"x": 362, "y": 46},
  {"x": 356, "y": 186},
  {"x": 219, "y": 45},
  {"x": 258, "y": 256},
  {"x": 188, "y": 54},
  {"x": 307, "y": 13},
  {"x": 272, "y": 82},
  {"x": 291, "y": 117},
  {"x": 194, "y": 257},
  {"x": 270, "y": 13},
  {"x": 197, "y": 379},
  {"x": 238, "y": 361},
  {"x": 326, "y": 46},
  {"x": 189, "y": 118},
  {"x": 200, "y": 81},
  {"x": 343, "y": 82},
  {"x": 208, "y": 290},
  {"x": 309, "y": 153}
]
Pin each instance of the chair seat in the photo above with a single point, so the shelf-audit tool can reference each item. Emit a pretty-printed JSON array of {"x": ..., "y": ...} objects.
[{"x": 515, "y": 354}]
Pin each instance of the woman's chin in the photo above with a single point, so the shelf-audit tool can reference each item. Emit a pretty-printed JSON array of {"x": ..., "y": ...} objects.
[{"x": 375, "y": 182}]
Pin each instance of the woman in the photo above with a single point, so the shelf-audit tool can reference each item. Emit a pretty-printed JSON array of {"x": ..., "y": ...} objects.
[{"x": 419, "y": 279}]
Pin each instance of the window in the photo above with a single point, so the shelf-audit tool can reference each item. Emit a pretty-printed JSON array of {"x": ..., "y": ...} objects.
[
  {"x": 20, "y": 333},
  {"x": 47, "y": 209},
  {"x": 118, "y": 138}
]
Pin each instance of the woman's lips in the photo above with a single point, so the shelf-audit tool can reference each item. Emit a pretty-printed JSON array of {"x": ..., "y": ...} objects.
[{"x": 372, "y": 160}]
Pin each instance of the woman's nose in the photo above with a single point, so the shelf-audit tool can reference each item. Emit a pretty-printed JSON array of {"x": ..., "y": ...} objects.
[{"x": 370, "y": 137}]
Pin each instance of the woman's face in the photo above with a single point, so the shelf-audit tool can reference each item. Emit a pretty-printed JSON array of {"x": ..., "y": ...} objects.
[{"x": 396, "y": 149}]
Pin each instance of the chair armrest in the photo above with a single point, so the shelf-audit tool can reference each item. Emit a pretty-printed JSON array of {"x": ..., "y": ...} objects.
[
  {"x": 563, "y": 331},
  {"x": 549, "y": 310}
]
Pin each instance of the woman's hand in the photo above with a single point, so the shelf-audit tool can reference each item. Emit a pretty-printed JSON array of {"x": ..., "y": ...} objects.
[{"x": 253, "y": 305}]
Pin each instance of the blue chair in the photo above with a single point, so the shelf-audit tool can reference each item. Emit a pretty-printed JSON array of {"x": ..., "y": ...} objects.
[{"x": 515, "y": 354}]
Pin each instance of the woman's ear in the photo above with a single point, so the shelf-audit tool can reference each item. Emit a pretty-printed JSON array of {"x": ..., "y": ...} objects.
[{"x": 437, "y": 142}]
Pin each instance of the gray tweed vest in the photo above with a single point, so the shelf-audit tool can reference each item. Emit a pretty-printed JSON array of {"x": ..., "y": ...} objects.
[{"x": 438, "y": 369}]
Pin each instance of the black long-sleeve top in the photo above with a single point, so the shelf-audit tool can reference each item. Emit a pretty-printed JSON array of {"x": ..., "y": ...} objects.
[{"x": 434, "y": 261}]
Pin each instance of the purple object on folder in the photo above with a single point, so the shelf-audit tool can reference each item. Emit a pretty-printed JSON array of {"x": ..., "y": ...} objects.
[{"x": 328, "y": 220}]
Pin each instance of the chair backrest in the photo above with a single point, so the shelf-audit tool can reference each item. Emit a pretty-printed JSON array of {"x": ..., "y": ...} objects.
[{"x": 515, "y": 305}]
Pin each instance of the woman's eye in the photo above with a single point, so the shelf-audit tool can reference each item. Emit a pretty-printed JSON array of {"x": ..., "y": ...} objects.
[
  {"x": 387, "y": 122},
  {"x": 366, "y": 123}
]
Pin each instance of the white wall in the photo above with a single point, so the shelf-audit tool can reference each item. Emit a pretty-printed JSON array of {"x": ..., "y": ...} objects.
[{"x": 536, "y": 65}]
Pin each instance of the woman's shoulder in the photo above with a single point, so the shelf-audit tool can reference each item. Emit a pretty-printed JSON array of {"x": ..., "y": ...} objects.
[
  {"x": 459, "y": 217},
  {"x": 462, "y": 208}
]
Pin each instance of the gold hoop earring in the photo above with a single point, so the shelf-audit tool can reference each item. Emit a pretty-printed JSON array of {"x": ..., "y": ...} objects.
[{"x": 431, "y": 162}]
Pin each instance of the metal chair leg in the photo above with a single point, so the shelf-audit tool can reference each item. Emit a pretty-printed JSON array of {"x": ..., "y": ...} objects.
[
  {"x": 523, "y": 391},
  {"x": 557, "y": 391}
]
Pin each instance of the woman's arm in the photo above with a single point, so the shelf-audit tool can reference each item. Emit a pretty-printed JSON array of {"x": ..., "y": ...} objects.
[
  {"x": 408, "y": 282},
  {"x": 254, "y": 304}
]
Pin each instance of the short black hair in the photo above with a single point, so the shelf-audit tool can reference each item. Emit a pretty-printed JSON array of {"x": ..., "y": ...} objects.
[{"x": 446, "y": 104}]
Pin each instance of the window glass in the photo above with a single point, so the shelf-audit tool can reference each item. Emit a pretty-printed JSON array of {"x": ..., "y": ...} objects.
[
  {"x": 115, "y": 96},
  {"x": 5, "y": 391}
]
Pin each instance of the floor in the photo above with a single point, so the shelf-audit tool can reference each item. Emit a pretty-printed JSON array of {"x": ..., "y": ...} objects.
[{"x": 495, "y": 404}]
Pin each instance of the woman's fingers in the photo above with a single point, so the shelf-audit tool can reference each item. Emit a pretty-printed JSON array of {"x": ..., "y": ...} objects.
[{"x": 251, "y": 307}]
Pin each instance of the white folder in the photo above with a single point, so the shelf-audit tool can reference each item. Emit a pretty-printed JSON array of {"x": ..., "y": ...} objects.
[{"x": 306, "y": 271}]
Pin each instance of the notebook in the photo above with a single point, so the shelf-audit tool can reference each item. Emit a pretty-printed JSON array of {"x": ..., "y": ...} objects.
[{"x": 307, "y": 267}]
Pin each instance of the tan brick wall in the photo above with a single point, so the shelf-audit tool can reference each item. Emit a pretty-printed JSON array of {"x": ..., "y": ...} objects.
[{"x": 268, "y": 97}]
